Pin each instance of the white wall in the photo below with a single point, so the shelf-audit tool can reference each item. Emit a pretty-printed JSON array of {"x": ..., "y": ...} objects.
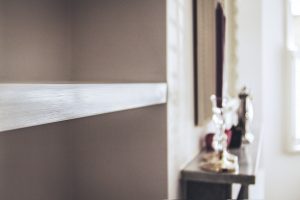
[
  {"x": 282, "y": 169},
  {"x": 249, "y": 68},
  {"x": 261, "y": 66},
  {"x": 249, "y": 52},
  {"x": 183, "y": 136}
]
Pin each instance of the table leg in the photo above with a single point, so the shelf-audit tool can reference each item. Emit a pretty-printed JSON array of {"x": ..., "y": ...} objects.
[{"x": 244, "y": 193}]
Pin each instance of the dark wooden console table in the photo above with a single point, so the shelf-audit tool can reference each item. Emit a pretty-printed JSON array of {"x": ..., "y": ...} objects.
[{"x": 198, "y": 184}]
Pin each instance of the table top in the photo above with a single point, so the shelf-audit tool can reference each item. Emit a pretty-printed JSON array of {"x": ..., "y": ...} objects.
[{"x": 248, "y": 155}]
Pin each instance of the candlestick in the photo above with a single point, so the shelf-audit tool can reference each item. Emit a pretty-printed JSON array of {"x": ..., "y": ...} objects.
[
  {"x": 220, "y": 160},
  {"x": 220, "y": 43}
]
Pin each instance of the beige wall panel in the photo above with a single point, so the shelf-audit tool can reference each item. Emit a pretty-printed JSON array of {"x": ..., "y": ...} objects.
[
  {"x": 118, "y": 156},
  {"x": 119, "y": 41},
  {"x": 82, "y": 40},
  {"x": 113, "y": 156},
  {"x": 36, "y": 163},
  {"x": 34, "y": 41},
  {"x": 122, "y": 156}
]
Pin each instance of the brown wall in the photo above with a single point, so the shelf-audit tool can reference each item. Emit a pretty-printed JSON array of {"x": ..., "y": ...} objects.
[
  {"x": 34, "y": 41},
  {"x": 121, "y": 155},
  {"x": 114, "y": 156},
  {"x": 82, "y": 40},
  {"x": 36, "y": 163},
  {"x": 119, "y": 40}
]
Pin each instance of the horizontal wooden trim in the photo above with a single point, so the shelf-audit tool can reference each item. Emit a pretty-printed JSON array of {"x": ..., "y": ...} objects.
[{"x": 26, "y": 105}]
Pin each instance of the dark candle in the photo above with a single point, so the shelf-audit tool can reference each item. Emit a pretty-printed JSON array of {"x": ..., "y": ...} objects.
[{"x": 220, "y": 43}]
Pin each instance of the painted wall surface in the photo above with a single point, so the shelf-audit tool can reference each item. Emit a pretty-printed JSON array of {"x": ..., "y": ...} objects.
[
  {"x": 119, "y": 41},
  {"x": 34, "y": 41},
  {"x": 121, "y": 155},
  {"x": 82, "y": 40},
  {"x": 183, "y": 136},
  {"x": 36, "y": 163},
  {"x": 250, "y": 73},
  {"x": 249, "y": 48},
  {"x": 282, "y": 169},
  {"x": 113, "y": 156}
]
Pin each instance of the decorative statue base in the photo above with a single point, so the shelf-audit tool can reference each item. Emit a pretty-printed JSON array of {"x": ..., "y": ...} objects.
[{"x": 220, "y": 162}]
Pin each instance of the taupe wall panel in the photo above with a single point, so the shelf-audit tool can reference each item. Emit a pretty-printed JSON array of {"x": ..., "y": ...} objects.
[
  {"x": 113, "y": 156},
  {"x": 35, "y": 40},
  {"x": 82, "y": 40},
  {"x": 36, "y": 163},
  {"x": 119, "y": 40},
  {"x": 118, "y": 156},
  {"x": 122, "y": 156}
]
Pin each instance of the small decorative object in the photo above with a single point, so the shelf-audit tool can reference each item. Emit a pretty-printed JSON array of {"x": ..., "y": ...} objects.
[
  {"x": 209, "y": 139},
  {"x": 236, "y": 138},
  {"x": 241, "y": 133},
  {"x": 220, "y": 160},
  {"x": 245, "y": 114}
]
